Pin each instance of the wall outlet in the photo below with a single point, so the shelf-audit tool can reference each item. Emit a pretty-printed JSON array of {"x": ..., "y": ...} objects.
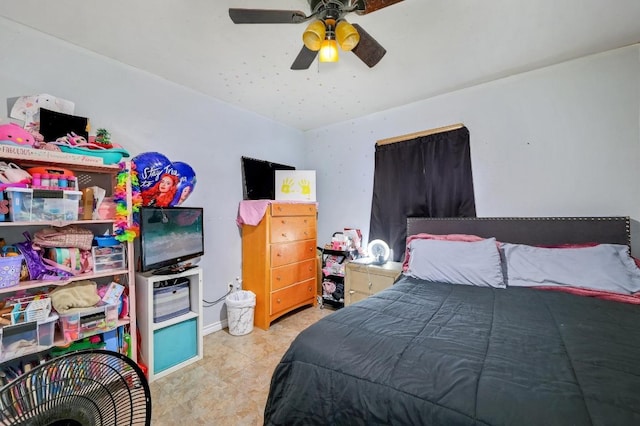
[{"x": 238, "y": 284}]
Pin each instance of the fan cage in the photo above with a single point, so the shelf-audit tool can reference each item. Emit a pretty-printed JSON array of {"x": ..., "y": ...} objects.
[{"x": 92, "y": 387}]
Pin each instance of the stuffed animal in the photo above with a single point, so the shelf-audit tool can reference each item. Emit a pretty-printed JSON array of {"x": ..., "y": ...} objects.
[{"x": 12, "y": 134}]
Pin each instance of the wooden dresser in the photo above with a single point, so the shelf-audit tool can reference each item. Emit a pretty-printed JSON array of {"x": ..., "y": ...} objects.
[{"x": 279, "y": 260}]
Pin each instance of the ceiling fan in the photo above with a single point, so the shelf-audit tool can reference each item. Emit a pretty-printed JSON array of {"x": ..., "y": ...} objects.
[{"x": 327, "y": 30}]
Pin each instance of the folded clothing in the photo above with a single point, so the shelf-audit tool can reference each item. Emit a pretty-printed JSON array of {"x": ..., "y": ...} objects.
[{"x": 80, "y": 294}]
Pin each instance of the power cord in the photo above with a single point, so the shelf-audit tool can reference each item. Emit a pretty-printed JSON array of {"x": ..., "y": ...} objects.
[
  {"x": 215, "y": 302},
  {"x": 231, "y": 289}
]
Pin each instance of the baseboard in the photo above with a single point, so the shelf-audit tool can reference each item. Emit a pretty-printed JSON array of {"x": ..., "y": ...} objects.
[{"x": 212, "y": 328}]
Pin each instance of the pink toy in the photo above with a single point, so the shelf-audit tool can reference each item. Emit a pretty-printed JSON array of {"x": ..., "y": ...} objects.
[{"x": 15, "y": 135}]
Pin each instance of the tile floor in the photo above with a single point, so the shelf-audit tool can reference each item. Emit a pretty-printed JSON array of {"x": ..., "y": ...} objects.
[{"x": 229, "y": 386}]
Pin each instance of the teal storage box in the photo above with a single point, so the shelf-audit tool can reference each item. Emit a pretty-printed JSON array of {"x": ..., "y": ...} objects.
[{"x": 174, "y": 344}]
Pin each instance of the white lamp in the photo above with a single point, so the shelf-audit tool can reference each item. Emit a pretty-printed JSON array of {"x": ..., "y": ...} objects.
[{"x": 379, "y": 251}]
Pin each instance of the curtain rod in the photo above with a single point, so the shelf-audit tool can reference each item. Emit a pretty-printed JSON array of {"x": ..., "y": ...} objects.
[{"x": 420, "y": 134}]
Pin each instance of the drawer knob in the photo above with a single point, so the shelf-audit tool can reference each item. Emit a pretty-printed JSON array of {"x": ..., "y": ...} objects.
[
  {"x": 306, "y": 233},
  {"x": 310, "y": 268},
  {"x": 278, "y": 300},
  {"x": 351, "y": 292},
  {"x": 278, "y": 278},
  {"x": 309, "y": 288},
  {"x": 278, "y": 254},
  {"x": 305, "y": 221},
  {"x": 279, "y": 208},
  {"x": 284, "y": 234},
  {"x": 369, "y": 285},
  {"x": 284, "y": 221}
]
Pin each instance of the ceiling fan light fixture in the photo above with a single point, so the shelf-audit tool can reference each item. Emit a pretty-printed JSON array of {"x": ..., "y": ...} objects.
[
  {"x": 329, "y": 51},
  {"x": 347, "y": 35},
  {"x": 314, "y": 35}
]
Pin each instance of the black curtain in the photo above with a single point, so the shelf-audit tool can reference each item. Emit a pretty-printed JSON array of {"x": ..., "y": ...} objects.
[{"x": 429, "y": 176}]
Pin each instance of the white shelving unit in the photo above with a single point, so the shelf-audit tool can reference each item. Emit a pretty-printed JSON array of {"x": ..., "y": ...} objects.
[{"x": 169, "y": 345}]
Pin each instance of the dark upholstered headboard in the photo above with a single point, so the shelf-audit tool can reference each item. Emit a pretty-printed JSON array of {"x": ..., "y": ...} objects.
[{"x": 530, "y": 230}]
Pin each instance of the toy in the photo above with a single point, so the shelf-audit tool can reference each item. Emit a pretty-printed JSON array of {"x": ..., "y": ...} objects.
[
  {"x": 76, "y": 144},
  {"x": 123, "y": 230},
  {"x": 103, "y": 137},
  {"x": 12, "y": 134},
  {"x": 163, "y": 183}
]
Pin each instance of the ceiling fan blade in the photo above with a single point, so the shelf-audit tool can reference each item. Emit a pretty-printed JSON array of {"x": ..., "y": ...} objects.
[
  {"x": 266, "y": 16},
  {"x": 368, "y": 49},
  {"x": 304, "y": 59},
  {"x": 373, "y": 5}
]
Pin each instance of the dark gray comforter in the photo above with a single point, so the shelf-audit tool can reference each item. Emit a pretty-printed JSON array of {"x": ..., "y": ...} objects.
[{"x": 441, "y": 354}]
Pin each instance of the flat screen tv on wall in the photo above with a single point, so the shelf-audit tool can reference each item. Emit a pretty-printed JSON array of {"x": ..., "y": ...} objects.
[{"x": 259, "y": 178}]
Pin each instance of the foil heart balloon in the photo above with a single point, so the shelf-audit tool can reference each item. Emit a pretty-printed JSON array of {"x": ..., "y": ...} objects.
[
  {"x": 186, "y": 184},
  {"x": 163, "y": 183}
]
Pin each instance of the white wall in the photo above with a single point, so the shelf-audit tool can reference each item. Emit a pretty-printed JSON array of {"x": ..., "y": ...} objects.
[
  {"x": 145, "y": 113},
  {"x": 563, "y": 140}
]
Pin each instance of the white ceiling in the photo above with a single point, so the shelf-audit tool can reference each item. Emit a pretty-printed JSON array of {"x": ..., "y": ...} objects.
[{"x": 433, "y": 47}]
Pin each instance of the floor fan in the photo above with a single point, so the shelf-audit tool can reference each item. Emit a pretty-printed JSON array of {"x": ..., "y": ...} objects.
[{"x": 92, "y": 387}]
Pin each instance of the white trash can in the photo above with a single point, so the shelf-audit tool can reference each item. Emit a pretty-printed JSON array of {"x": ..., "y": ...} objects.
[{"x": 240, "y": 307}]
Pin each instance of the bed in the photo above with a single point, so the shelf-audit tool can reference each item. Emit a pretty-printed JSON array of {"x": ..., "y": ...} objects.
[{"x": 439, "y": 353}]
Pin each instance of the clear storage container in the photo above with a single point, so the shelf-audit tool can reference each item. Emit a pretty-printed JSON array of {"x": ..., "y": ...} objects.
[
  {"x": 33, "y": 205},
  {"x": 79, "y": 325}
]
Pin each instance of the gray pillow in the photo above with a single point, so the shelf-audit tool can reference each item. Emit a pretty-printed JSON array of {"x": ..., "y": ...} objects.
[
  {"x": 456, "y": 262},
  {"x": 606, "y": 267}
]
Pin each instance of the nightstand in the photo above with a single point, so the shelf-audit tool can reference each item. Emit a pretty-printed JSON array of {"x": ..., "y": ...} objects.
[{"x": 363, "y": 280}]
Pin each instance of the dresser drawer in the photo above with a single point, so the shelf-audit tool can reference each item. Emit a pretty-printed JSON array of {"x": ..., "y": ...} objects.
[
  {"x": 285, "y": 253},
  {"x": 357, "y": 281},
  {"x": 293, "y": 209},
  {"x": 371, "y": 279},
  {"x": 353, "y": 297},
  {"x": 285, "y": 229},
  {"x": 287, "y": 297},
  {"x": 289, "y": 274}
]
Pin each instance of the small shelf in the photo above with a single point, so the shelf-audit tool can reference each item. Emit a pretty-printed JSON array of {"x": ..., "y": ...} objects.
[
  {"x": 338, "y": 279},
  {"x": 173, "y": 321},
  {"x": 60, "y": 342},
  {"x": 25, "y": 285},
  {"x": 346, "y": 253},
  {"x": 56, "y": 223},
  {"x": 29, "y": 158}
]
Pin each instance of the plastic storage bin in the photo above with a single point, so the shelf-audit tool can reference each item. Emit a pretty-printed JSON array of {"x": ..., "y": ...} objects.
[
  {"x": 26, "y": 338},
  {"x": 84, "y": 324},
  {"x": 33, "y": 205},
  {"x": 108, "y": 258},
  {"x": 171, "y": 298},
  {"x": 240, "y": 311},
  {"x": 10, "y": 268},
  {"x": 46, "y": 330}
]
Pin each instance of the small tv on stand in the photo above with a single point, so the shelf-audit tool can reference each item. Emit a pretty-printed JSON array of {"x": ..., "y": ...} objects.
[{"x": 170, "y": 237}]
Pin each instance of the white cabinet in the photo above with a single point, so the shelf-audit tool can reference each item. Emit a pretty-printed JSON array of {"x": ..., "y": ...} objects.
[{"x": 169, "y": 311}]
